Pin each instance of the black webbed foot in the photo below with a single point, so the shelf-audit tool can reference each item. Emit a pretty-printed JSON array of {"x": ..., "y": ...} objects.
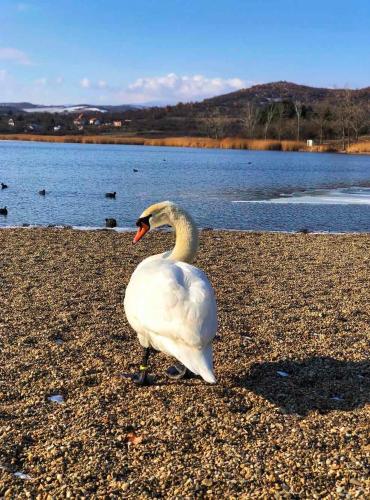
[
  {"x": 179, "y": 371},
  {"x": 141, "y": 378}
]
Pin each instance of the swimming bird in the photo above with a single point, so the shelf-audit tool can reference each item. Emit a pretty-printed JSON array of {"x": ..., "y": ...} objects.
[
  {"x": 110, "y": 223},
  {"x": 135, "y": 170},
  {"x": 42, "y": 192},
  {"x": 4, "y": 186},
  {"x": 170, "y": 303},
  {"x": 3, "y": 211},
  {"x": 110, "y": 195}
]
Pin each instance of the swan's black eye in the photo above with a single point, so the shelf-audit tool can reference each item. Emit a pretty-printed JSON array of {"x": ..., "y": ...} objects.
[{"x": 143, "y": 220}]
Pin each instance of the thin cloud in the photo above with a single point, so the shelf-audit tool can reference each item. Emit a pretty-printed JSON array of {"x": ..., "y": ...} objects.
[
  {"x": 170, "y": 88},
  {"x": 174, "y": 88},
  {"x": 14, "y": 55},
  {"x": 85, "y": 83}
]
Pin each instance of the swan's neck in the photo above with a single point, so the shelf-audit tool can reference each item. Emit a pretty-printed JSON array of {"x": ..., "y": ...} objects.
[{"x": 186, "y": 245}]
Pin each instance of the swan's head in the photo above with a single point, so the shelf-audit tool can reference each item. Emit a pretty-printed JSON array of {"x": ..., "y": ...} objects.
[{"x": 156, "y": 215}]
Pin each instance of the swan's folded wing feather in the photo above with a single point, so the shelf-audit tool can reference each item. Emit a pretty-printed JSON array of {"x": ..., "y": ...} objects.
[{"x": 173, "y": 300}]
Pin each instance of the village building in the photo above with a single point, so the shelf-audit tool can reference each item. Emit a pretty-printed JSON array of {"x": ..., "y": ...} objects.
[
  {"x": 80, "y": 121},
  {"x": 32, "y": 127},
  {"x": 94, "y": 121}
]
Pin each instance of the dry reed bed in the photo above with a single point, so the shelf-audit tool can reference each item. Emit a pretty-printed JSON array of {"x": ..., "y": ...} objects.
[
  {"x": 287, "y": 419},
  {"x": 227, "y": 143},
  {"x": 193, "y": 142},
  {"x": 359, "y": 147},
  {"x": 83, "y": 139}
]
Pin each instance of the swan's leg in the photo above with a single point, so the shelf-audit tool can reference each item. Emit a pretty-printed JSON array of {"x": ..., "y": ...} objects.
[
  {"x": 178, "y": 371},
  {"x": 141, "y": 378}
]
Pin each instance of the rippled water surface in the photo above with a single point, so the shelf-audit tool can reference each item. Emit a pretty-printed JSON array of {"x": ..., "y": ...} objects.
[{"x": 253, "y": 190}]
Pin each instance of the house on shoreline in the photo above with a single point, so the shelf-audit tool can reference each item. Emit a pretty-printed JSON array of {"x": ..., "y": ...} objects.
[
  {"x": 95, "y": 122},
  {"x": 80, "y": 121}
]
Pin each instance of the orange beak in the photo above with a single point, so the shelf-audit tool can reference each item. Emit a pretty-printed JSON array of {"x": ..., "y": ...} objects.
[{"x": 144, "y": 228}]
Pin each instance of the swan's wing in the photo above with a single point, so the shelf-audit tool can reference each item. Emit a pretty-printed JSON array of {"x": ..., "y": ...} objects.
[{"x": 173, "y": 300}]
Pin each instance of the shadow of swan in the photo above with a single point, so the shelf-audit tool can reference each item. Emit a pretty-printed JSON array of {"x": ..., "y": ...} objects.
[{"x": 317, "y": 383}]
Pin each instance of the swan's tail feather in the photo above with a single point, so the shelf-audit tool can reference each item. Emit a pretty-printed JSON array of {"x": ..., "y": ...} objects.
[{"x": 198, "y": 361}]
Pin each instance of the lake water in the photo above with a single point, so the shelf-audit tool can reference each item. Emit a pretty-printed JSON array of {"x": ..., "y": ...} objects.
[{"x": 250, "y": 190}]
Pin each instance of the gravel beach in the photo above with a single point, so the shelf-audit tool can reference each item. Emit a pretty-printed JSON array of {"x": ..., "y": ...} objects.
[{"x": 288, "y": 418}]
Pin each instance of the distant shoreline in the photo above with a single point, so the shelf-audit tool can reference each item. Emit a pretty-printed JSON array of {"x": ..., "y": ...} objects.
[{"x": 192, "y": 142}]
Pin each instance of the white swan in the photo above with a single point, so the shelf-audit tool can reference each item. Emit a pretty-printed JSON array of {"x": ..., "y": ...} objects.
[{"x": 170, "y": 303}]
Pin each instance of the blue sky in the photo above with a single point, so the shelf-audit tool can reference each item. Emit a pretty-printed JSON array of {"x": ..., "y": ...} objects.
[{"x": 120, "y": 51}]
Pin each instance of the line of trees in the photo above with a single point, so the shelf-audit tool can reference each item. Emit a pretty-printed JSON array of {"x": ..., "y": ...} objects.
[{"x": 343, "y": 119}]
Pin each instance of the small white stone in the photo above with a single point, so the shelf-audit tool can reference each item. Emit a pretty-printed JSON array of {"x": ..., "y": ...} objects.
[
  {"x": 282, "y": 373},
  {"x": 22, "y": 475},
  {"x": 56, "y": 398}
]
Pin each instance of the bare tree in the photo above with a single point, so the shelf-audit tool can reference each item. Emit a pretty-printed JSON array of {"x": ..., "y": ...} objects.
[
  {"x": 344, "y": 112},
  {"x": 298, "y": 112},
  {"x": 359, "y": 118},
  {"x": 280, "y": 114},
  {"x": 250, "y": 118},
  {"x": 215, "y": 125},
  {"x": 270, "y": 114},
  {"x": 320, "y": 118}
]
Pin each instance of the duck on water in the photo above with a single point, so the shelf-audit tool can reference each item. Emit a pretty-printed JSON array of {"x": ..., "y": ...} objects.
[{"x": 110, "y": 222}]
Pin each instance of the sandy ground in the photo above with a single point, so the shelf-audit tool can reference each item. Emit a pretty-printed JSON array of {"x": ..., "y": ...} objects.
[{"x": 287, "y": 419}]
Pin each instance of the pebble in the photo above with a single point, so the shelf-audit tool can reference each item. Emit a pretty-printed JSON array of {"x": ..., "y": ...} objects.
[
  {"x": 56, "y": 398},
  {"x": 22, "y": 475}
]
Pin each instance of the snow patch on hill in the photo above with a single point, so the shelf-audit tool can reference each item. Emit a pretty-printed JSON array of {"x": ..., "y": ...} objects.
[{"x": 64, "y": 109}]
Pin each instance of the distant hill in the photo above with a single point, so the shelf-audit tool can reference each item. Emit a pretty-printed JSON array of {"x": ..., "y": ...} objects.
[
  {"x": 285, "y": 91},
  {"x": 78, "y": 108},
  {"x": 229, "y": 114},
  {"x": 275, "y": 114},
  {"x": 259, "y": 94}
]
